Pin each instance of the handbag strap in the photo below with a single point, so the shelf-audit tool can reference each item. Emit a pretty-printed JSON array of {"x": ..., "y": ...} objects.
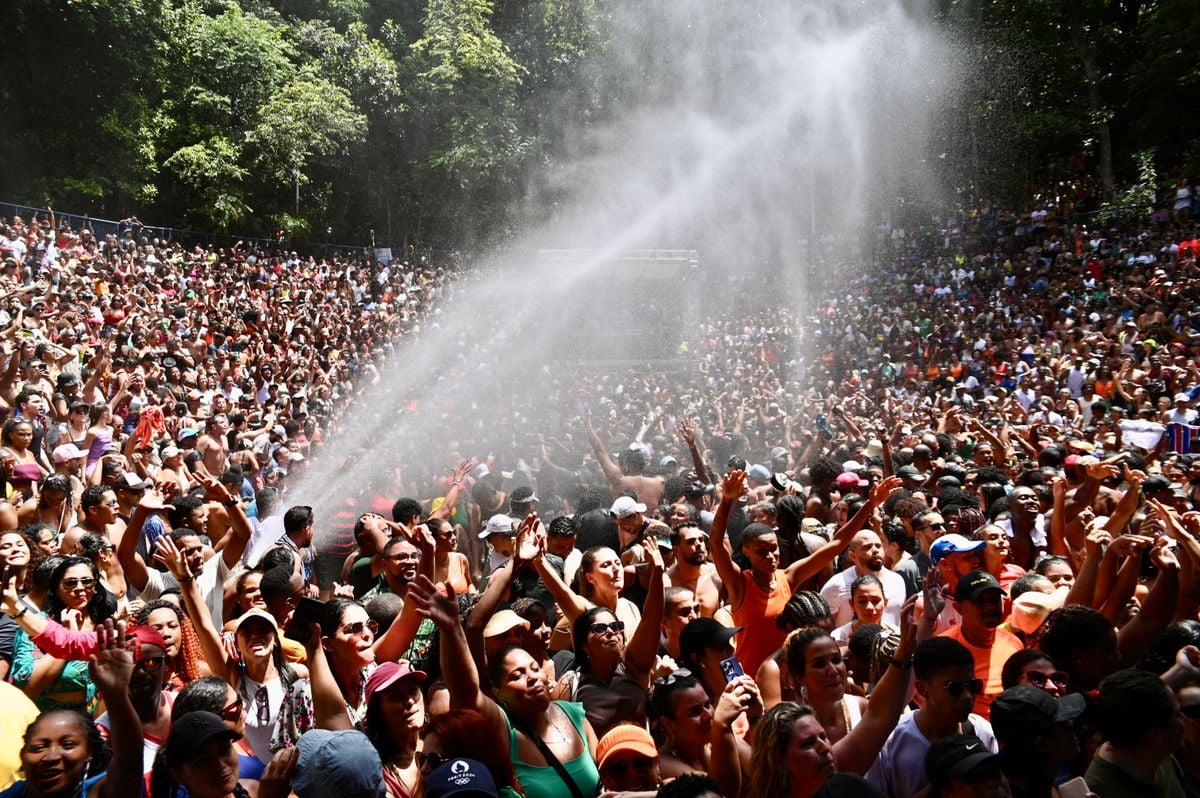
[{"x": 549, "y": 756}]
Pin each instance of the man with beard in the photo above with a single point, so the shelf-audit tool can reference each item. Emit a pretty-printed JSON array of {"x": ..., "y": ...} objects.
[
  {"x": 402, "y": 560},
  {"x": 689, "y": 571},
  {"x": 866, "y": 557},
  {"x": 980, "y": 603}
]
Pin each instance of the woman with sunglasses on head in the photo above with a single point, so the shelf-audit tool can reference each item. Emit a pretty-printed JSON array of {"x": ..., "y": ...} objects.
[
  {"x": 64, "y": 755},
  {"x": 550, "y": 743},
  {"x": 257, "y": 672},
  {"x": 77, "y": 600},
  {"x": 698, "y": 737}
]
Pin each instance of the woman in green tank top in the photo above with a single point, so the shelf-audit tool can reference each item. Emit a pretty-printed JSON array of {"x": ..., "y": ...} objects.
[{"x": 540, "y": 732}]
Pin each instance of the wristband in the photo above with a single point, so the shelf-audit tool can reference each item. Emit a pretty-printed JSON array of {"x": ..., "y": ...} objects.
[
  {"x": 231, "y": 502},
  {"x": 902, "y": 665},
  {"x": 24, "y": 609},
  {"x": 188, "y": 581}
]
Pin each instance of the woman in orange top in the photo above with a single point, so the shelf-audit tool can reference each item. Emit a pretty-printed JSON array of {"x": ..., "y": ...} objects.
[{"x": 758, "y": 594}]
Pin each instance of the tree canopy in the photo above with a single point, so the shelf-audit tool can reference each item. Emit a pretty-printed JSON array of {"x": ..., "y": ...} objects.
[{"x": 427, "y": 119}]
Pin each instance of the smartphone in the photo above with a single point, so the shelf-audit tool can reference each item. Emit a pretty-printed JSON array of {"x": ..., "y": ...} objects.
[
  {"x": 1075, "y": 788},
  {"x": 732, "y": 669},
  {"x": 308, "y": 611}
]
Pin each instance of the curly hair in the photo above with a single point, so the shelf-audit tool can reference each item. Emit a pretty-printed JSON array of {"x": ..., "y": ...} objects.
[{"x": 187, "y": 663}]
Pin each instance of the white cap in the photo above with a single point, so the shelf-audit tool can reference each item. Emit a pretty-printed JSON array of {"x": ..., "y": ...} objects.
[
  {"x": 498, "y": 524},
  {"x": 624, "y": 507}
]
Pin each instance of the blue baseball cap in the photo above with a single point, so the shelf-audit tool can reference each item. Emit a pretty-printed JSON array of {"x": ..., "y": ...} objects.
[
  {"x": 461, "y": 778},
  {"x": 952, "y": 544},
  {"x": 338, "y": 764}
]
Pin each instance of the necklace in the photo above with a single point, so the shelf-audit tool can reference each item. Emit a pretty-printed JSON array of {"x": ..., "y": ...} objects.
[{"x": 768, "y": 585}]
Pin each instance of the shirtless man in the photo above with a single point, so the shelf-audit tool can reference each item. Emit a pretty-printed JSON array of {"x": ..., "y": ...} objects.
[
  {"x": 692, "y": 570},
  {"x": 629, "y": 474},
  {"x": 213, "y": 445},
  {"x": 98, "y": 516}
]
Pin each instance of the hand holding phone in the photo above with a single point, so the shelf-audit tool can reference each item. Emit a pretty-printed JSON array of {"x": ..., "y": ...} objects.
[
  {"x": 308, "y": 611},
  {"x": 732, "y": 669}
]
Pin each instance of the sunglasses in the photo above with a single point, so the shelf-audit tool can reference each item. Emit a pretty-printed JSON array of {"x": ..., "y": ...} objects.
[
  {"x": 232, "y": 711},
  {"x": 432, "y": 760},
  {"x": 87, "y": 583},
  {"x": 353, "y": 629},
  {"x": 262, "y": 702},
  {"x": 623, "y": 766},
  {"x": 934, "y": 526},
  {"x": 956, "y": 688},
  {"x": 671, "y": 678},
  {"x": 1039, "y": 679},
  {"x": 150, "y": 664},
  {"x": 617, "y": 627}
]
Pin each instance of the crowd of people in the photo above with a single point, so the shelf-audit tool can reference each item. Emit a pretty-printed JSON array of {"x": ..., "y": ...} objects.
[{"x": 933, "y": 532}]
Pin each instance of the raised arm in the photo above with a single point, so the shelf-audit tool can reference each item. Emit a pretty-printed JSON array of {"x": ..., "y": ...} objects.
[
  {"x": 111, "y": 668},
  {"x": 733, "y": 487},
  {"x": 857, "y": 751},
  {"x": 127, "y": 556},
  {"x": 458, "y": 669},
  {"x": 571, "y": 603},
  {"x": 328, "y": 705},
  {"x": 687, "y": 430},
  {"x": 642, "y": 650},
  {"x": 612, "y": 472},
  {"x": 233, "y": 545},
  {"x": 219, "y": 660},
  {"x": 804, "y": 569}
]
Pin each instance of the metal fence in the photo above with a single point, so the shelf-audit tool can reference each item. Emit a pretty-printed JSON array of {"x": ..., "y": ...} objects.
[{"x": 103, "y": 227}]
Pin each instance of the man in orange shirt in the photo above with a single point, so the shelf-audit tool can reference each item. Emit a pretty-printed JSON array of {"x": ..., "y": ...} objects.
[{"x": 979, "y": 600}]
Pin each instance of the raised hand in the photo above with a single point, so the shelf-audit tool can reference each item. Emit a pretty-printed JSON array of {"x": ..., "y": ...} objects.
[
  {"x": 431, "y": 604},
  {"x": 935, "y": 600},
  {"x": 882, "y": 491},
  {"x": 733, "y": 486},
  {"x": 276, "y": 780},
  {"x": 173, "y": 558},
  {"x": 11, "y": 601},
  {"x": 687, "y": 431},
  {"x": 112, "y": 664},
  {"x": 1162, "y": 556},
  {"x": 152, "y": 500}
]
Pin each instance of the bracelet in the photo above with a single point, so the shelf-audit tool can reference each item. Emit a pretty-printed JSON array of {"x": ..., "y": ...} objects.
[
  {"x": 902, "y": 665},
  {"x": 189, "y": 579},
  {"x": 19, "y": 615},
  {"x": 232, "y": 502}
]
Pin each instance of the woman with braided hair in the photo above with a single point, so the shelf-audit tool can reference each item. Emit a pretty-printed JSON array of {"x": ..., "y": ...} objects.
[{"x": 805, "y": 609}]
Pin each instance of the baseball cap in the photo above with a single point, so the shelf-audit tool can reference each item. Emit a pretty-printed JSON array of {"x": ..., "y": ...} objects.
[
  {"x": 955, "y": 757},
  {"x": 625, "y": 738},
  {"x": 624, "y": 507},
  {"x": 387, "y": 674},
  {"x": 702, "y": 633},
  {"x": 502, "y": 622},
  {"x": 1156, "y": 482},
  {"x": 463, "y": 778},
  {"x": 952, "y": 544},
  {"x": 68, "y": 451},
  {"x": 498, "y": 524},
  {"x": 759, "y": 473},
  {"x": 338, "y": 764},
  {"x": 847, "y": 785},
  {"x": 910, "y": 472},
  {"x": 189, "y": 432},
  {"x": 279, "y": 430},
  {"x": 261, "y": 614},
  {"x": 848, "y": 480},
  {"x": 1182, "y": 397},
  {"x": 131, "y": 481},
  {"x": 974, "y": 584},
  {"x": 1022, "y": 709},
  {"x": 668, "y": 460},
  {"x": 192, "y": 732},
  {"x": 169, "y": 451}
]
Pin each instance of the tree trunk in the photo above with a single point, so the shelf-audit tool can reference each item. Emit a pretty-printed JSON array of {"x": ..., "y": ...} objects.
[{"x": 1096, "y": 105}]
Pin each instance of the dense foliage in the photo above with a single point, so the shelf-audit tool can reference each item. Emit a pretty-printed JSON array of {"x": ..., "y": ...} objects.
[{"x": 429, "y": 119}]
